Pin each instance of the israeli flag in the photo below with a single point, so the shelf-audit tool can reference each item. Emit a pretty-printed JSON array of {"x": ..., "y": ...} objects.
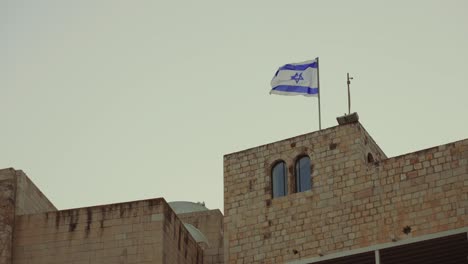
[{"x": 296, "y": 79}]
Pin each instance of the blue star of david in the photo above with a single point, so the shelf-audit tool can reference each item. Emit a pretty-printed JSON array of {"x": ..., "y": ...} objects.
[{"x": 297, "y": 77}]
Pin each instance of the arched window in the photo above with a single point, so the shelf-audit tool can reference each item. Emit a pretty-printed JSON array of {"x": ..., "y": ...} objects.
[
  {"x": 303, "y": 175},
  {"x": 279, "y": 180}
]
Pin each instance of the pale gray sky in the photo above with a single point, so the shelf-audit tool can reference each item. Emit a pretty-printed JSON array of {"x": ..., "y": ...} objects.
[{"x": 111, "y": 101}]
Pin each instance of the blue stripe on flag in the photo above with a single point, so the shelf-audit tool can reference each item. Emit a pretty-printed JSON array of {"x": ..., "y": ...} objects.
[
  {"x": 300, "y": 67},
  {"x": 296, "y": 89}
]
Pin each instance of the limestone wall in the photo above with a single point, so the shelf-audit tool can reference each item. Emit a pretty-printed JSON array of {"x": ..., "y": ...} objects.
[
  {"x": 425, "y": 190},
  {"x": 210, "y": 223},
  {"x": 7, "y": 213},
  {"x": 135, "y": 232},
  {"x": 18, "y": 195},
  {"x": 29, "y": 199},
  {"x": 352, "y": 203},
  {"x": 117, "y": 233},
  {"x": 179, "y": 246}
]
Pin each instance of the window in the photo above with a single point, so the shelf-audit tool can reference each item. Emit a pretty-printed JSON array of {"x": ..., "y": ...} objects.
[
  {"x": 303, "y": 175},
  {"x": 279, "y": 180}
]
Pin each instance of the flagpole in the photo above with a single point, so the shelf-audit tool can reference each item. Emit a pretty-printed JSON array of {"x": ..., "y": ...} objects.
[{"x": 318, "y": 87}]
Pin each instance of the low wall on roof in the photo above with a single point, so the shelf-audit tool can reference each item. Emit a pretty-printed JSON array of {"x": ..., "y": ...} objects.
[{"x": 133, "y": 232}]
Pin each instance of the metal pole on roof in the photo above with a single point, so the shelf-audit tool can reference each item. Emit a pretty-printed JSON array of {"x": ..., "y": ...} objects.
[
  {"x": 318, "y": 87},
  {"x": 349, "y": 94}
]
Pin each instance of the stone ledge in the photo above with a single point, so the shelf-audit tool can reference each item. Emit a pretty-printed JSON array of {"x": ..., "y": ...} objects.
[{"x": 348, "y": 119}]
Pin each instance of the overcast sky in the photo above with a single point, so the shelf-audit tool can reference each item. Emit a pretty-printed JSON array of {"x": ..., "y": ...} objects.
[{"x": 113, "y": 101}]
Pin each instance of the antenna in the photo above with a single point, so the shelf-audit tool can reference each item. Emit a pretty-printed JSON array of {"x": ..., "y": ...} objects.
[{"x": 349, "y": 94}]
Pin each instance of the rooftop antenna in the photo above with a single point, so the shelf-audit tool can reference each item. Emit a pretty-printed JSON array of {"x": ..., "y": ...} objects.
[{"x": 349, "y": 94}]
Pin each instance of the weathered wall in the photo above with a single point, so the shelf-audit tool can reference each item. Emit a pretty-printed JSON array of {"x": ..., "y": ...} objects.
[
  {"x": 425, "y": 190},
  {"x": 18, "y": 195},
  {"x": 7, "y": 213},
  {"x": 179, "y": 246},
  {"x": 135, "y": 232},
  {"x": 118, "y": 233},
  {"x": 258, "y": 227},
  {"x": 210, "y": 223},
  {"x": 29, "y": 199},
  {"x": 368, "y": 145},
  {"x": 352, "y": 204}
]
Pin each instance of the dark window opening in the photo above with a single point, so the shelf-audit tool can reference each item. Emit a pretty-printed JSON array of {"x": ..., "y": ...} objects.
[
  {"x": 279, "y": 180},
  {"x": 303, "y": 174},
  {"x": 370, "y": 158}
]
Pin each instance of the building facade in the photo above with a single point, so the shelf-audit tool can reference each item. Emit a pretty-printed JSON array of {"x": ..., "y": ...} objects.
[
  {"x": 330, "y": 196},
  {"x": 359, "y": 200}
]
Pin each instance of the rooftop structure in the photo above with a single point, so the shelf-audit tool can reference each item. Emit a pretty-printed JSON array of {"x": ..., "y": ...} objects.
[{"x": 330, "y": 196}]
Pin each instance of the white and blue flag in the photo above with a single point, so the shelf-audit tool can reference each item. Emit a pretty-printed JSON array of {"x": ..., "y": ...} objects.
[{"x": 296, "y": 79}]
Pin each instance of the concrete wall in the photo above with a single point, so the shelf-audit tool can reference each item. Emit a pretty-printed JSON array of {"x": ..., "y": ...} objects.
[
  {"x": 210, "y": 223},
  {"x": 352, "y": 204}
]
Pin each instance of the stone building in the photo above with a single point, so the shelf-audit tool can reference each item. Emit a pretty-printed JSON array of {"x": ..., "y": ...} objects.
[{"x": 330, "y": 196}]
